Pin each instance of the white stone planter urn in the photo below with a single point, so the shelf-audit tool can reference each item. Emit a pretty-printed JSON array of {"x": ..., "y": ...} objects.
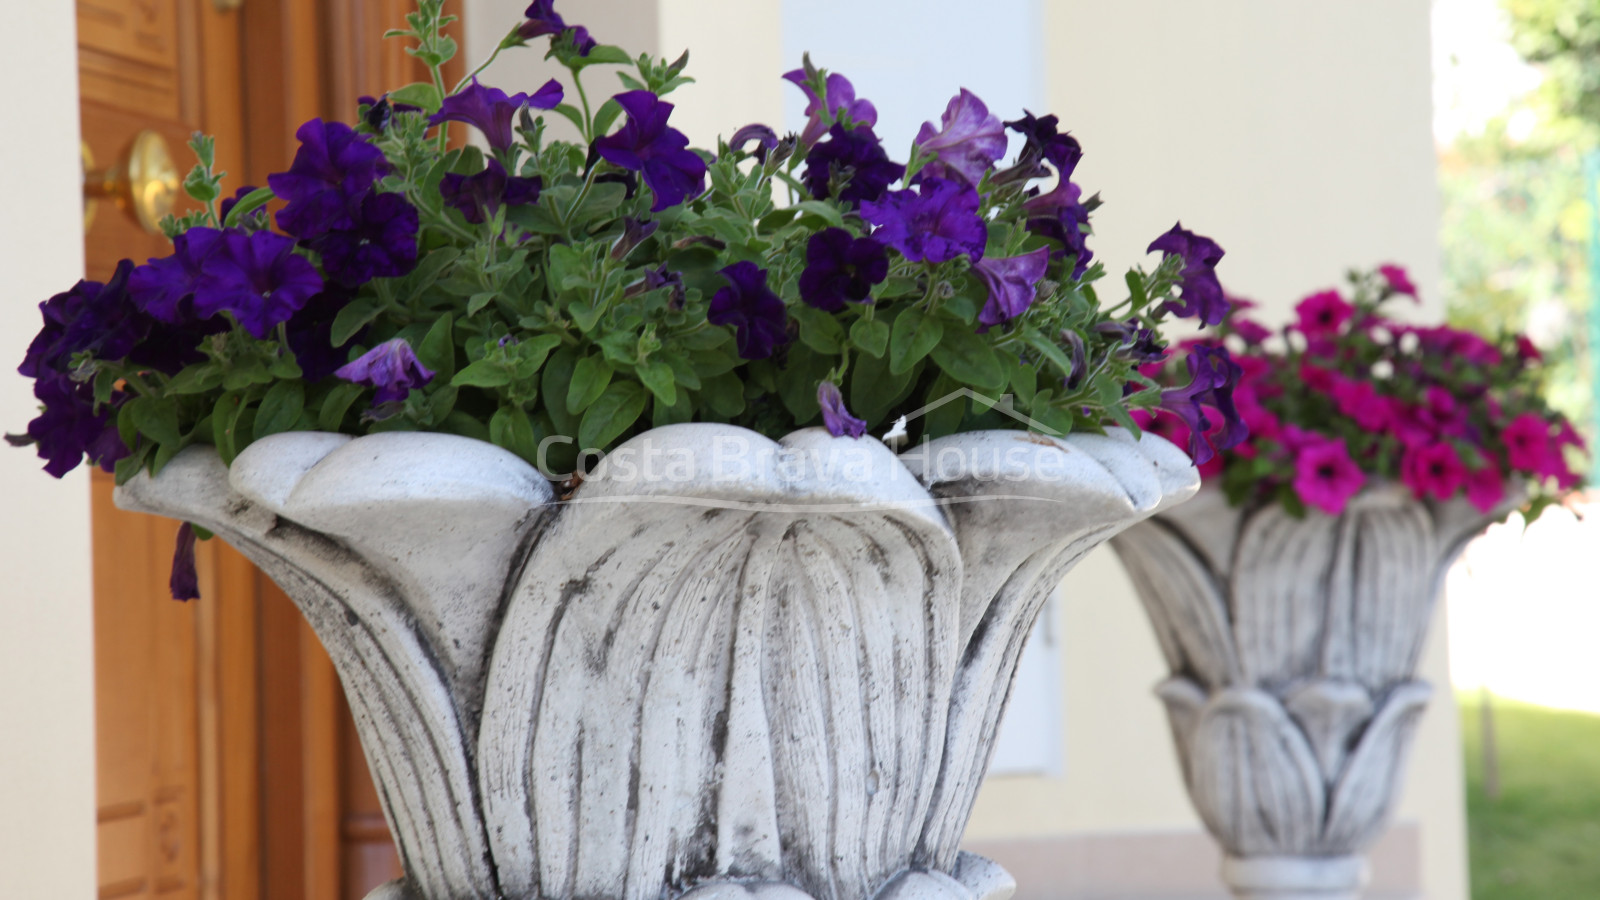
[
  {"x": 723, "y": 666},
  {"x": 1293, "y": 645}
]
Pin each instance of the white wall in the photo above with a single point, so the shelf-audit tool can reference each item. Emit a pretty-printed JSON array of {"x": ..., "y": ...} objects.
[
  {"x": 47, "y": 812},
  {"x": 1297, "y": 134}
]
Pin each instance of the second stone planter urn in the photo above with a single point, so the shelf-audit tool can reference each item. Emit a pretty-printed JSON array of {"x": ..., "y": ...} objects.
[
  {"x": 720, "y": 667},
  {"x": 1293, "y": 645}
]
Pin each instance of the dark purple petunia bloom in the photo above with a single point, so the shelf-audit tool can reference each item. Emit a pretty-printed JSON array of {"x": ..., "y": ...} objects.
[
  {"x": 856, "y": 155},
  {"x": 1061, "y": 216},
  {"x": 69, "y": 428},
  {"x": 1012, "y": 282},
  {"x": 491, "y": 110},
  {"x": 544, "y": 20},
  {"x": 840, "y": 99},
  {"x": 90, "y": 318},
  {"x": 968, "y": 142},
  {"x": 752, "y": 309},
  {"x": 332, "y": 171},
  {"x": 1139, "y": 345},
  {"x": 835, "y": 417},
  {"x": 1202, "y": 292},
  {"x": 634, "y": 233},
  {"x": 1043, "y": 143},
  {"x": 257, "y": 277},
  {"x": 647, "y": 144},
  {"x": 765, "y": 138},
  {"x": 310, "y": 333},
  {"x": 184, "y": 582},
  {"x": 479, "y": 197},
  {"x": 391, "y": 367},
  {"x": 256, "y": 218},
  {"x": 1213, "y": 377},
  {"x": 160, "y": 286},
  {"x": 381, "y": 242},
  {"x": 938, "y": 222},
  {"x": 841, "y": 267},
  {"x": 380, "y": 111}
]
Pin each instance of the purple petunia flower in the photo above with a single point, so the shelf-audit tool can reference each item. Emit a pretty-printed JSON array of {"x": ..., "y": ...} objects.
[
  {"x": 1043, "y": 143},
  {"x": 766, "y": 140},
  {"x": 1213, "y": 377},
  {"x": 839, "y": 99},
  {"x": 968, "y": 142},
  {"x": 160, "y": 286},
  {"x": 310, "y": 333},
  {"x": 937, "y": 222},
  {"x": 1061, "y": 216},
  {"x": 184, "y": 582},
  {"x": 1202, "y": 292},
  {"x": 332, "y": 171},
  {"x": 90, "y": 318},
  {"x": 835, "y": 417},
  {"x": 1011, "y": 281},
  {"x": 380, "y": 243},
  {"x": 69, "y": 428},
  {"x": 757, "y": 315},
  {"x": 647, "y": 144},
  {"x": 841, "y": 267},
  {"x": 257, "y": 277},
  {"x": 856, "y": 155},
  {"x": 491, "y": 110},
  {"x": 543, "y": 19},
  {"x": 256, "y": 218},
  {"x": 391, "y": 367},
  {"x": 479, "y": 197},
  {"x": 1139, "y": 345}
]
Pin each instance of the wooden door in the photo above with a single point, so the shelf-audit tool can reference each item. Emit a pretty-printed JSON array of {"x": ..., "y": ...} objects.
[{"x": 228, "y": 767}]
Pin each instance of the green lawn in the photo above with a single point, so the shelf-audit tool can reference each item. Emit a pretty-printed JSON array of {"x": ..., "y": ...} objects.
[{"x": 1540, "y": 840}]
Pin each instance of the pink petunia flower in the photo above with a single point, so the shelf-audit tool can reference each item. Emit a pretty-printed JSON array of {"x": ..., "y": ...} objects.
[
  {"x": 1434, "y": 469},
  {"x": 1398, "y": 279},
  {"x": 1527, "y": 441},
  {"x": 1485, "y": 487},
  {"x": 1362, "y": 403},
  {"x": 1326, "y": 477},
  {"x": 1323, "y": 313}
]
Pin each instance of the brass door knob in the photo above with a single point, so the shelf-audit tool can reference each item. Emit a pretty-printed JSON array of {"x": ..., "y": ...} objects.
[{"x": 143, "y": 182}]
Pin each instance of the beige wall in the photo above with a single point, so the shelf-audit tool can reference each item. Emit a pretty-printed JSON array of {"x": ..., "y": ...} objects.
[
  {"x": 47, "y": 707},
  {"x": 1297, "y": 134}
]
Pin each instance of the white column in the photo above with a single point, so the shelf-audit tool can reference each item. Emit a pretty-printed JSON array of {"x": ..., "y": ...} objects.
[{"x": 47, "y": 765}]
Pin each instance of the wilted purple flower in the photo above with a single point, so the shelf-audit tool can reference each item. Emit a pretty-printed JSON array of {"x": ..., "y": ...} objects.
[
  {"x": 752, "y": 309},
  {"x": 1080, "y": 359},
  {"x": 1012, "y": 282},
  {"x": 69, "y": 427},
  {"x": 1061, "y": 216},
  {"x": 1202, "y": 292},
  {"x": 856, "y": 155},
  {"x": 660, "y": 277},
  {"x": 937, "y": 222},
  {"x": 647, "y": 144},
  {"x": 968, "y": 141},
  {"x": 91, "y": 317},
  {"x": 479, "y": 197},
  {"x": 391, "y": 367},
  {"x": 840, "y": 98},
  {"x": 332, "y": 171},
  {"x": 160, "y": 286},
  {"x": 184, "y": 582},
  {"x": 1042, "y": 142},
  {"x": 1213, "y": 377},
  {"x": 634, "y": 233},
  {"x": 380, "y": 243},
  {"x": 257, "y": 277},
  {"x": 1139, "y": 345},
  {"x": 835, "y": 417},
  {"x": 491, "y": 110},
  {"x": 543, "y": 19},
  {"x": 841, "y": 267},
  {"x": 766, "y": 139}
]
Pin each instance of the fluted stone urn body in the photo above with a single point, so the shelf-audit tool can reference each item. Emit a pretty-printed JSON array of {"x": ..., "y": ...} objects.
[
  {"x": 1293, "y": 645},
  {"x": 721, "y": 666}
]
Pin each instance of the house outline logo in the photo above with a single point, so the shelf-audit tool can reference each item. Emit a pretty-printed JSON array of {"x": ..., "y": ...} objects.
[{"x": 1003, "y": 404}]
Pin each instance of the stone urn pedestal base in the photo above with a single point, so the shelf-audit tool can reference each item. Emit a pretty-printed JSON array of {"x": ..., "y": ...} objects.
[{"x": 1295, "y": 877}]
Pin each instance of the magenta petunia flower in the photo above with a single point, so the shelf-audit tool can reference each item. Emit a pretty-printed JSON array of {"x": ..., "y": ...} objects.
[
  {"x": 392, "y": 367},
  {"x": 491, "y": 110},
  {"x": 1398, "y": 280},
  {"x": 1360, "y": 401},
  {"x": 968, "y": 142},
  {"x": 937, "y": 222},
  {"x": 1527, "y": 441},
  {"x": 1433, "y": 470},
  {"x": 835, "y": 417},
  {"x": 1250, "y": 331},
  {"x": 1485, "y": 487},
  {"x": 839, "y": 99},
  {"x": 1326, "y": 477},
  {"x": 1322, "y": 314},
  {"x": 1012, "y": 282},
  {"x": 646, "y": 144}
]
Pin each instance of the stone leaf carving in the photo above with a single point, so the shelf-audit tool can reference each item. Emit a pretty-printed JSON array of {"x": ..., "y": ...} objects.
[
  {"x": 1293, "y": 645},
  {"x": 723, "y": 665}
]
